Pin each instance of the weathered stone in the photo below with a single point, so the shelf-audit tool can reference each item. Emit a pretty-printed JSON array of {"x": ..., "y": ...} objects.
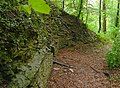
[{"x": 36, "y": 70}]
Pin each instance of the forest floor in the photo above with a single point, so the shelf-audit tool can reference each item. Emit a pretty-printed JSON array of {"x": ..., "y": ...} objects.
[{"x": 88, "y": 68}]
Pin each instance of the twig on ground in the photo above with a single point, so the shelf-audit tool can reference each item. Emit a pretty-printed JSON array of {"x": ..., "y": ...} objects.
[
  {"x": 61, "y": 63},
  {"x": 105, "y": 73}
]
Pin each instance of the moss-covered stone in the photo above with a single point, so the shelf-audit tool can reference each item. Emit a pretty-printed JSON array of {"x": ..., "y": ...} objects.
[
  {"x": 31, "y": 37},
  {"x": 36, "y": 71}
]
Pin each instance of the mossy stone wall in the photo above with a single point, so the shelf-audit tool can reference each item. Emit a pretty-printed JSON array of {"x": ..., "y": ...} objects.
[
  {"x": 31, "y": 37},
  {"x": 35, "y": 73}
]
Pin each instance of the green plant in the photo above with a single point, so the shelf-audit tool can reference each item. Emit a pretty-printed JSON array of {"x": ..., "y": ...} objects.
[
  {"x": 37, "y": 5},
  {"x": 113, "y": 57}
]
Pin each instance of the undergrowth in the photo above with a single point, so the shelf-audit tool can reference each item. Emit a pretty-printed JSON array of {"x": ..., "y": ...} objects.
[{"x": 113, "y": 56}]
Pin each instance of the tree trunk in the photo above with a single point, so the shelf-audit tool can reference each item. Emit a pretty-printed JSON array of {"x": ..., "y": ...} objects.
[
  {"x": 104, "y": 16},
  {"x": 100, "y": 16},
  {"x": 63, "y": 5},
  {"x": 87, "y": 12},
  {"x": 118, "y": 14},
  {"x": 80, "y": 8}
]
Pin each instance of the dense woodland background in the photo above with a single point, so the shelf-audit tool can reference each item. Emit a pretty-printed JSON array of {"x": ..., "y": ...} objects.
[
  {"x": 26, "y": 26},
  {"x": 100, "y": 16}
]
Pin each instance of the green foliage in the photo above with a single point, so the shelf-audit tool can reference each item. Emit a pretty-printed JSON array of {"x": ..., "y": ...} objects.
[
  {"x": 25, "y": 8},
  {"x": 113, "y": 57},
  {"x": 110, "y": 35},
  {"x": 38, "y": 5},
  {"x": 113, "y": 32},
  {"x": 71, "y": 6}
]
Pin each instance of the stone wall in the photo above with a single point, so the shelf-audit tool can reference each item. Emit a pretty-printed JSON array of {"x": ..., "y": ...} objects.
[{"x": 35, "y": 73}]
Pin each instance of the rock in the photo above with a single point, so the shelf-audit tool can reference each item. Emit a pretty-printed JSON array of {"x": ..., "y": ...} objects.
[
  {"x": 56, "y": 69},
  {"x": 71, "y": 70}
]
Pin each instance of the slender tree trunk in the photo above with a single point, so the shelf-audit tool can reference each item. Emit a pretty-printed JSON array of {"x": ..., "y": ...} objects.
[
  {"x": 80, "y": 8},
  {"x": 87, "y": 12},
  {"x": 118, "y": 14},
  {"x": 63, "y": 5},
  {"x": 100, "y": 3},
  {"x": 104, "y": 16}
]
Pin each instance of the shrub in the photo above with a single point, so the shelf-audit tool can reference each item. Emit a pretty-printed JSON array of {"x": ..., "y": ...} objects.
[{"x": 113, "y": 57}]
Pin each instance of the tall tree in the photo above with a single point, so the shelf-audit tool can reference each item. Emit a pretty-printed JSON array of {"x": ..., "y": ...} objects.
[
  {"x": 118, "y": 14},
  {"x": 104, "y": 16},
  {"x": 63, "y": 5},
  {"x": 80, "y": 8},
  {"x": 87, "y": 12},
  {"x": 100, "y": 3}
]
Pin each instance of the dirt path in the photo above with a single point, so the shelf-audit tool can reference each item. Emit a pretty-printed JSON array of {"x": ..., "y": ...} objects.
[{"x": 83, "y": 58}]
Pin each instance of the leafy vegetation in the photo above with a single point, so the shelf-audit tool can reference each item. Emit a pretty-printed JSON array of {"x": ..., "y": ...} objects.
[
  {"x": 38, "y": 5},
  {"x": 113, "y": 57}
]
